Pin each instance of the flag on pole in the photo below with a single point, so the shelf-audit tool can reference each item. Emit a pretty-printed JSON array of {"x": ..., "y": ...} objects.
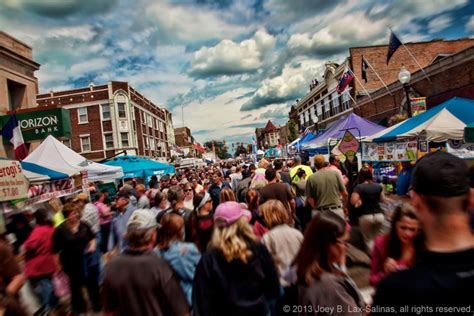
[
  {"x": 12, "y": 131},
  {"x": 364, "y": 67},
  {"x": 344, "y": 81},
  {"x": 393, "y": 45}
]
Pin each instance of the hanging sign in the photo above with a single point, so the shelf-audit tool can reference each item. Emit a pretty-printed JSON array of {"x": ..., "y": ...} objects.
[
  {"x": 13, "y": 183},
  {"x": 418, "y": 105},
  {"x": 349, "y": 145}
]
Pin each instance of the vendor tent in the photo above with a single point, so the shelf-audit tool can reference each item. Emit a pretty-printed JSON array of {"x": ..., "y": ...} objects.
[
  {"x": 35, "y": 173},
  {"x": 357, "y": 125},
  {"x": 55, "y": 155},
  {"x": 443, "y": 122},
  {"x": 137, "y": 167}
]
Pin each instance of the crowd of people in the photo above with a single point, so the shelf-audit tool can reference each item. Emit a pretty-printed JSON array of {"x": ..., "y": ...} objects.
[{"x": 239, "y": 238}]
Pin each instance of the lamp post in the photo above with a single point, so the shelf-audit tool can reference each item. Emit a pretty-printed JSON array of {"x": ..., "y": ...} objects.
[{"x": 404, "y": 76}]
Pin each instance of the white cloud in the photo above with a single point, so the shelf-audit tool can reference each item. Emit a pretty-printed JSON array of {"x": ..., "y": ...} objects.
[
  {"x": 88, "y": 65},
  {"x": 470, "y": 24},
  {"x": 229, "y": 57},
  {"x": 291, "y": 84},
  {"x": 338, "y": 35},
  {"x": 439, "y": 23},
  {"x": 80, "y": 32},
  {"x": 191, "y": 24}
]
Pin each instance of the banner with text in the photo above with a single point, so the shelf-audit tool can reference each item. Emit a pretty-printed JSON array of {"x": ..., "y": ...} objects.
[{"x": 13, "y": 183}]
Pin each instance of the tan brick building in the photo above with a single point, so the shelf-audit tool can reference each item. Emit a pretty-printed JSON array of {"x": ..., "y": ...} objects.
[
  {"x": 18, "y": 84},
  {"x": 271, "y": 135},
  {"x": 112, "y": 118}
]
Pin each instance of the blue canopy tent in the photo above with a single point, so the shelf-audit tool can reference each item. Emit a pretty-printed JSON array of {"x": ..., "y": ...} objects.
[
  {"x": 441, "y": 123},
  {"x": 137, "y": 167}
]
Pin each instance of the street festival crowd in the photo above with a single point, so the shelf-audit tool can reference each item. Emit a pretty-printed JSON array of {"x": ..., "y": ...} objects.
[{"x": 243, "y": 238}]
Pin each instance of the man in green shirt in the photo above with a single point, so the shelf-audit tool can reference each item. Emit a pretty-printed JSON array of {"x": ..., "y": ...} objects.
[{"x": 325, "y": 188}]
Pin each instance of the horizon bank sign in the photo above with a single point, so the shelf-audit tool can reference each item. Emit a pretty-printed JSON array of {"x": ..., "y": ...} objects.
[{"x": 37, "y": 125}]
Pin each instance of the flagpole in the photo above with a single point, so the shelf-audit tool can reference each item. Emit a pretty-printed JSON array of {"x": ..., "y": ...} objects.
[
  {"x": 383, "y": 82},
  {"x": 365, "y": 90},
  {"x": 411, "y": 55}
]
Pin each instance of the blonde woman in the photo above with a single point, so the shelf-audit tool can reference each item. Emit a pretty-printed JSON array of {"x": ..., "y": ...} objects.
[
  {"x": 283, "y": 242},
  {"x": 258, "y": 180},
  {"x": 227, "y": 195},
  {"x": 236, "y": 276}
]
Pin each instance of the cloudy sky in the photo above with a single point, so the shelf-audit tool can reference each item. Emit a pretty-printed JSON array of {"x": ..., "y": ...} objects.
[{"x": 229, "y": 65}]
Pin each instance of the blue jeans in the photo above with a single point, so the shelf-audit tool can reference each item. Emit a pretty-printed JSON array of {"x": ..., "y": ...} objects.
[{"x": 44, "y": 291}]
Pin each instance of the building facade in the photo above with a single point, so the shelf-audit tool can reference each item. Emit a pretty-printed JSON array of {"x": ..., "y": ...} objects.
[
  {"x": 110, "y": 119},
  {"x": 322, "y": 105},
  {"x": 18, "y": 84},
  {"x": 317, "y": 108},
  {"x": 271, "y": 135},
  {"x": 450, "y": 76}
]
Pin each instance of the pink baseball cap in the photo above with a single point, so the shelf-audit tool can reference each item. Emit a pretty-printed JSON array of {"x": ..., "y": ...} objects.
[{"x": 228, "y": 213}]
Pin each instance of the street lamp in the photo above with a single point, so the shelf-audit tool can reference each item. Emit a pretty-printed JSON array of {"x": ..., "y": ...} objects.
[{"x": 404, "y": 76}]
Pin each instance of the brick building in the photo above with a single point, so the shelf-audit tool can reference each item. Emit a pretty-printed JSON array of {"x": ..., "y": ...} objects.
[
  {"x": 449, "y": 76},
  {"x": 271, "y": 135},
  {"x": 185, "y": 141},
  {"x": 18, "y": 84},
  {"x": 323, "y": 105},
  {"x": 112, "y": 118}
]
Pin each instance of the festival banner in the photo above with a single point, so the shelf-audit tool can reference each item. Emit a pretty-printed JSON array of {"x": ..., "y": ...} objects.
[
  {"x": 369, "y": 151},
  {"x": 418, "y": 105},
  {"x": 38, "y": 193},
  {"x": 13, "y": 183}
]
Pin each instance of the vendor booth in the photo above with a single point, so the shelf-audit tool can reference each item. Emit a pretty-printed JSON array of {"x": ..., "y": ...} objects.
[
  {"x": 440, "y": 128},
  {"x": 137, "y": 167},
  {"x": 55, "y": 155},
  {"x": 357, "y": 125}
]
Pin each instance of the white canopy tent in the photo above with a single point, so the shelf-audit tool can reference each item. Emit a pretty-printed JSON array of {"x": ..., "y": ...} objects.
[{"x": 55, "y": 155}]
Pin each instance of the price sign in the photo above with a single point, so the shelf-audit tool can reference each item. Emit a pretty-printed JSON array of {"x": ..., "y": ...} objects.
[{"x": 13, "y": 183}]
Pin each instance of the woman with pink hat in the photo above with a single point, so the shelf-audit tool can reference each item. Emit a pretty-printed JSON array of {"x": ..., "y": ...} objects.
[{"x": 236, "y": 276}]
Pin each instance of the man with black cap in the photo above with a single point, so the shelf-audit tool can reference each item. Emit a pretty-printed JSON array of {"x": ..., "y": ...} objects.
[
  {"x": 442, "y": 280},
  {"x": 138, "y": 282}
]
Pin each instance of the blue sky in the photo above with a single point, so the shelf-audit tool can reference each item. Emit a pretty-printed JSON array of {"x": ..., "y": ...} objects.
[{"x": 229, "y": 65}]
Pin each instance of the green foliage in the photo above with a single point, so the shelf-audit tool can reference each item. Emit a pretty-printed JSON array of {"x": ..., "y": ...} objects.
[
  {"x": 220, "y": 147},
  {"x": 241, "y": 150},
  {"x": 293, "y": 130}
]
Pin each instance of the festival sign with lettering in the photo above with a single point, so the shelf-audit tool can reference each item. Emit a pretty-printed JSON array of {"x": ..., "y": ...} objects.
[
  {"x": 38, "y": 124},
  {"x": 13, "y": 183},
  {"x": 38, "y": 193},
  {"x": 349, "y": 145}
]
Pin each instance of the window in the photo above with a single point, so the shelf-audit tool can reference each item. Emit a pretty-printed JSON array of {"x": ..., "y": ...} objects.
[
  {"x": 109, "y": 141},
  {"x": 124, "y": 139},
  {"x": 67, "y": 142},
  {"x": 150, "y": 121},
  {"x": 152, "y": 143},
  {"x": 105, "y": 112},
  {"x": 82, "y": 115},
  {"x": 16, "y": 94},
  {"x": 121, "y": 110},
  {"x": 85, "y": 143},
  {"x": 157, "y": 124}
]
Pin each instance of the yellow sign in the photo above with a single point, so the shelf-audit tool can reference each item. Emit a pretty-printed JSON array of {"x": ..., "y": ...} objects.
[{"x": 418, "y": 105}]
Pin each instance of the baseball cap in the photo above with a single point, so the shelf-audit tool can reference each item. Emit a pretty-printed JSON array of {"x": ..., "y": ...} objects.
[
  {"x": 440, "y": 174},
  {"x": 81, "y": 197},
  {"x": 297, "y": 159},
  {"x": 184, "y": 181},
  {"x": 142, "y": 219},
  {"x": 228, "y": 213}
]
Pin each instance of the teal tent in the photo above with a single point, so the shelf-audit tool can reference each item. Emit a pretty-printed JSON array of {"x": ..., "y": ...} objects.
[{"x": 137, "y": 167}]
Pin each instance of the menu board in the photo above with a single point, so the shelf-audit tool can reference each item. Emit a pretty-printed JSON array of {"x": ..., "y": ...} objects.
[{"x": 396, "y": 151}]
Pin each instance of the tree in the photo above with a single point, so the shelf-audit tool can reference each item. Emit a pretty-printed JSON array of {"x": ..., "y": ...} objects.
[
  {"x": 220, "y": 147},
  {"x": 240, "y": 150},
  {"x": 293, "y": 131}
]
